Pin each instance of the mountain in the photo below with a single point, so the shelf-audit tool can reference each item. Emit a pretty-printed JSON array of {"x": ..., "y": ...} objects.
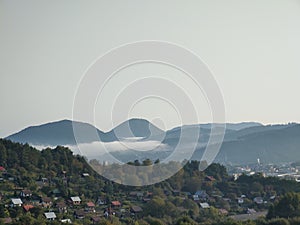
[
  {"x": 232, "y": 126},
  {"x": 281, "y": 144},
  {"x": 134, "y": 129},
  {"x": 57, "y": 133},
  {"x": 187, "y": 132},
  {"x": 61, "y": 133},
  {"x": 243, "y": 143},
  {"x": 271, "y": 144}
]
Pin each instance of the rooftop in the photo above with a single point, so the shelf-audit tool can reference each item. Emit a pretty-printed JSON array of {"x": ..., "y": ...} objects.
[
  {"x": 50, "y": 215},
  {"x": 16, "y": 201},
  {"x": 76, "y": 199}
]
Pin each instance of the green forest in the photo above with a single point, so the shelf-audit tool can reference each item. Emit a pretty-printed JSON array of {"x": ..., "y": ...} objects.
[{"x": 53, "y": 186}]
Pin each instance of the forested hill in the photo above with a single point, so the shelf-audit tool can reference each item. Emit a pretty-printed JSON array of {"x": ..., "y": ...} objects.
[
  {"x": 49, "y": 162},
  {"x": 176, "y": 200}
]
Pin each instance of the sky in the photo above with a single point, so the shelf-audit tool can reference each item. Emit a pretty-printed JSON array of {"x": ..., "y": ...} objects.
[{"x": 252, "y": 49}]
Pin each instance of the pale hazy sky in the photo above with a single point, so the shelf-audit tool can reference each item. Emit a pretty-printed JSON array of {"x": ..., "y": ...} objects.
[{"x": 251, "y": 46}]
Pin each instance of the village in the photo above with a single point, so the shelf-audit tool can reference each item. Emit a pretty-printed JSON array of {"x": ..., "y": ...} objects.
[{"x": 53, "y": 205}]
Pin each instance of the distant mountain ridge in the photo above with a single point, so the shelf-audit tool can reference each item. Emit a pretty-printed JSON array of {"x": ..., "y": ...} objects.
[
  {"x": 271, "y": 146},
  {"x": 61, "y": 132},
  {"x": 243, "y": 142}
]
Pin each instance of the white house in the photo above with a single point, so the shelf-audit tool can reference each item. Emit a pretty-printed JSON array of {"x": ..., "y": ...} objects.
[
  {"x": 76, "y": 200},
  {"x": 50, "y": 215},
  {"x": 240, "y": 200},
  {"x": 66, "y": 221},
  {"x": 204, "y": 205},
  {"x": 16, "y": 202},
  {"x": 258, "y": 200}
]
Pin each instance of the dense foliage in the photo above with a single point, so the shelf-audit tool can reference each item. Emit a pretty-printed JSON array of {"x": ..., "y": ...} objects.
[{"x": 58, "y": 175}]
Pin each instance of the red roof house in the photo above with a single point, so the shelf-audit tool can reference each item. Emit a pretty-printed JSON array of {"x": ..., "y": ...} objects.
[
  {"x": 116, "y": 203},
  {"x": 90, "y": 206},
  {"x": 27, "y": 207}
]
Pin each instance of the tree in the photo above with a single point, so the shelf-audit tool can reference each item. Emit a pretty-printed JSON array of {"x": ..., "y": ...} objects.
[
  {"x": 3, "y": 155},
  {"x": 157, "y": 161},
  {"x": 3, "y": 212},
  {"x": 287, "y": 207},
  {"x": 156, "y": 207},
  {"x": 192, "y": 185},
  {"x": 147, "y": 162},
  {"x": 185, "y": 221},
  {"x": 26, "y": 219},
  {"x": 279, "y": 221},
  {"x": 217, "y": 171}
]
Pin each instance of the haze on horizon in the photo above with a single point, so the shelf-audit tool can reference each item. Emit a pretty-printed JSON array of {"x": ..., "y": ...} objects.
[{"x": 252, "y": 48}]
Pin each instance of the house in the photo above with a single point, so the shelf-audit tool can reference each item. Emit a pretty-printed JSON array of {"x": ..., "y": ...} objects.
[
  {"x": 201, "y": 194},
  {"x": 66, "y": 221},
  {"x": 62, "y": 207},
  {"x": 250, "y": 211},
  {"x": 46, "y": 202},
  {"x": 132, "y": 193},
  {"x": 136, "y": 194},
  {"x": 90, "y": 207},
  {"x": 50, "y": 215},
  {"x": 240, "y": 200},
  {"x": 136, "y": 209},
  {"x": 56, "y": 192},
  {"x": 25, "y": 193},
  {"x": 2, "y": 169},
  {"x": 146, "y": 200},
  {"x": 75, "y": 200},
  {"x": 44, "y": 179},
  {"x": 79, "y": 214},
  {"x": 115, "y": 204},
  {"x": 204, "y": 205},
  {"x": 16, "y": 202},
  {"x": 27, "y": 207},
  {"x": 85, "y": 175},
  {"x": 149, "y": 194},
  {"x": 258, "y": 200},
  {"x": 101, "y": 201},
  {"x": 176, "y": 192},
  {"x": 196, "y": 198}
]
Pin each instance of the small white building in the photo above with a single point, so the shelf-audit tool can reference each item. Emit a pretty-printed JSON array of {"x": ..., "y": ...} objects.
[
  {"x": 258, "y": 200},
  {"x": 16, "y": 202},
  {"x": 204, "y": 205},
  {"x": 85, "y": 175},
  {"x": 240, "y": 200},
  {"x": 76, "y": 200},
  {"x": 66, "y": 221},
  {"x": 50, "y": 215}
]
